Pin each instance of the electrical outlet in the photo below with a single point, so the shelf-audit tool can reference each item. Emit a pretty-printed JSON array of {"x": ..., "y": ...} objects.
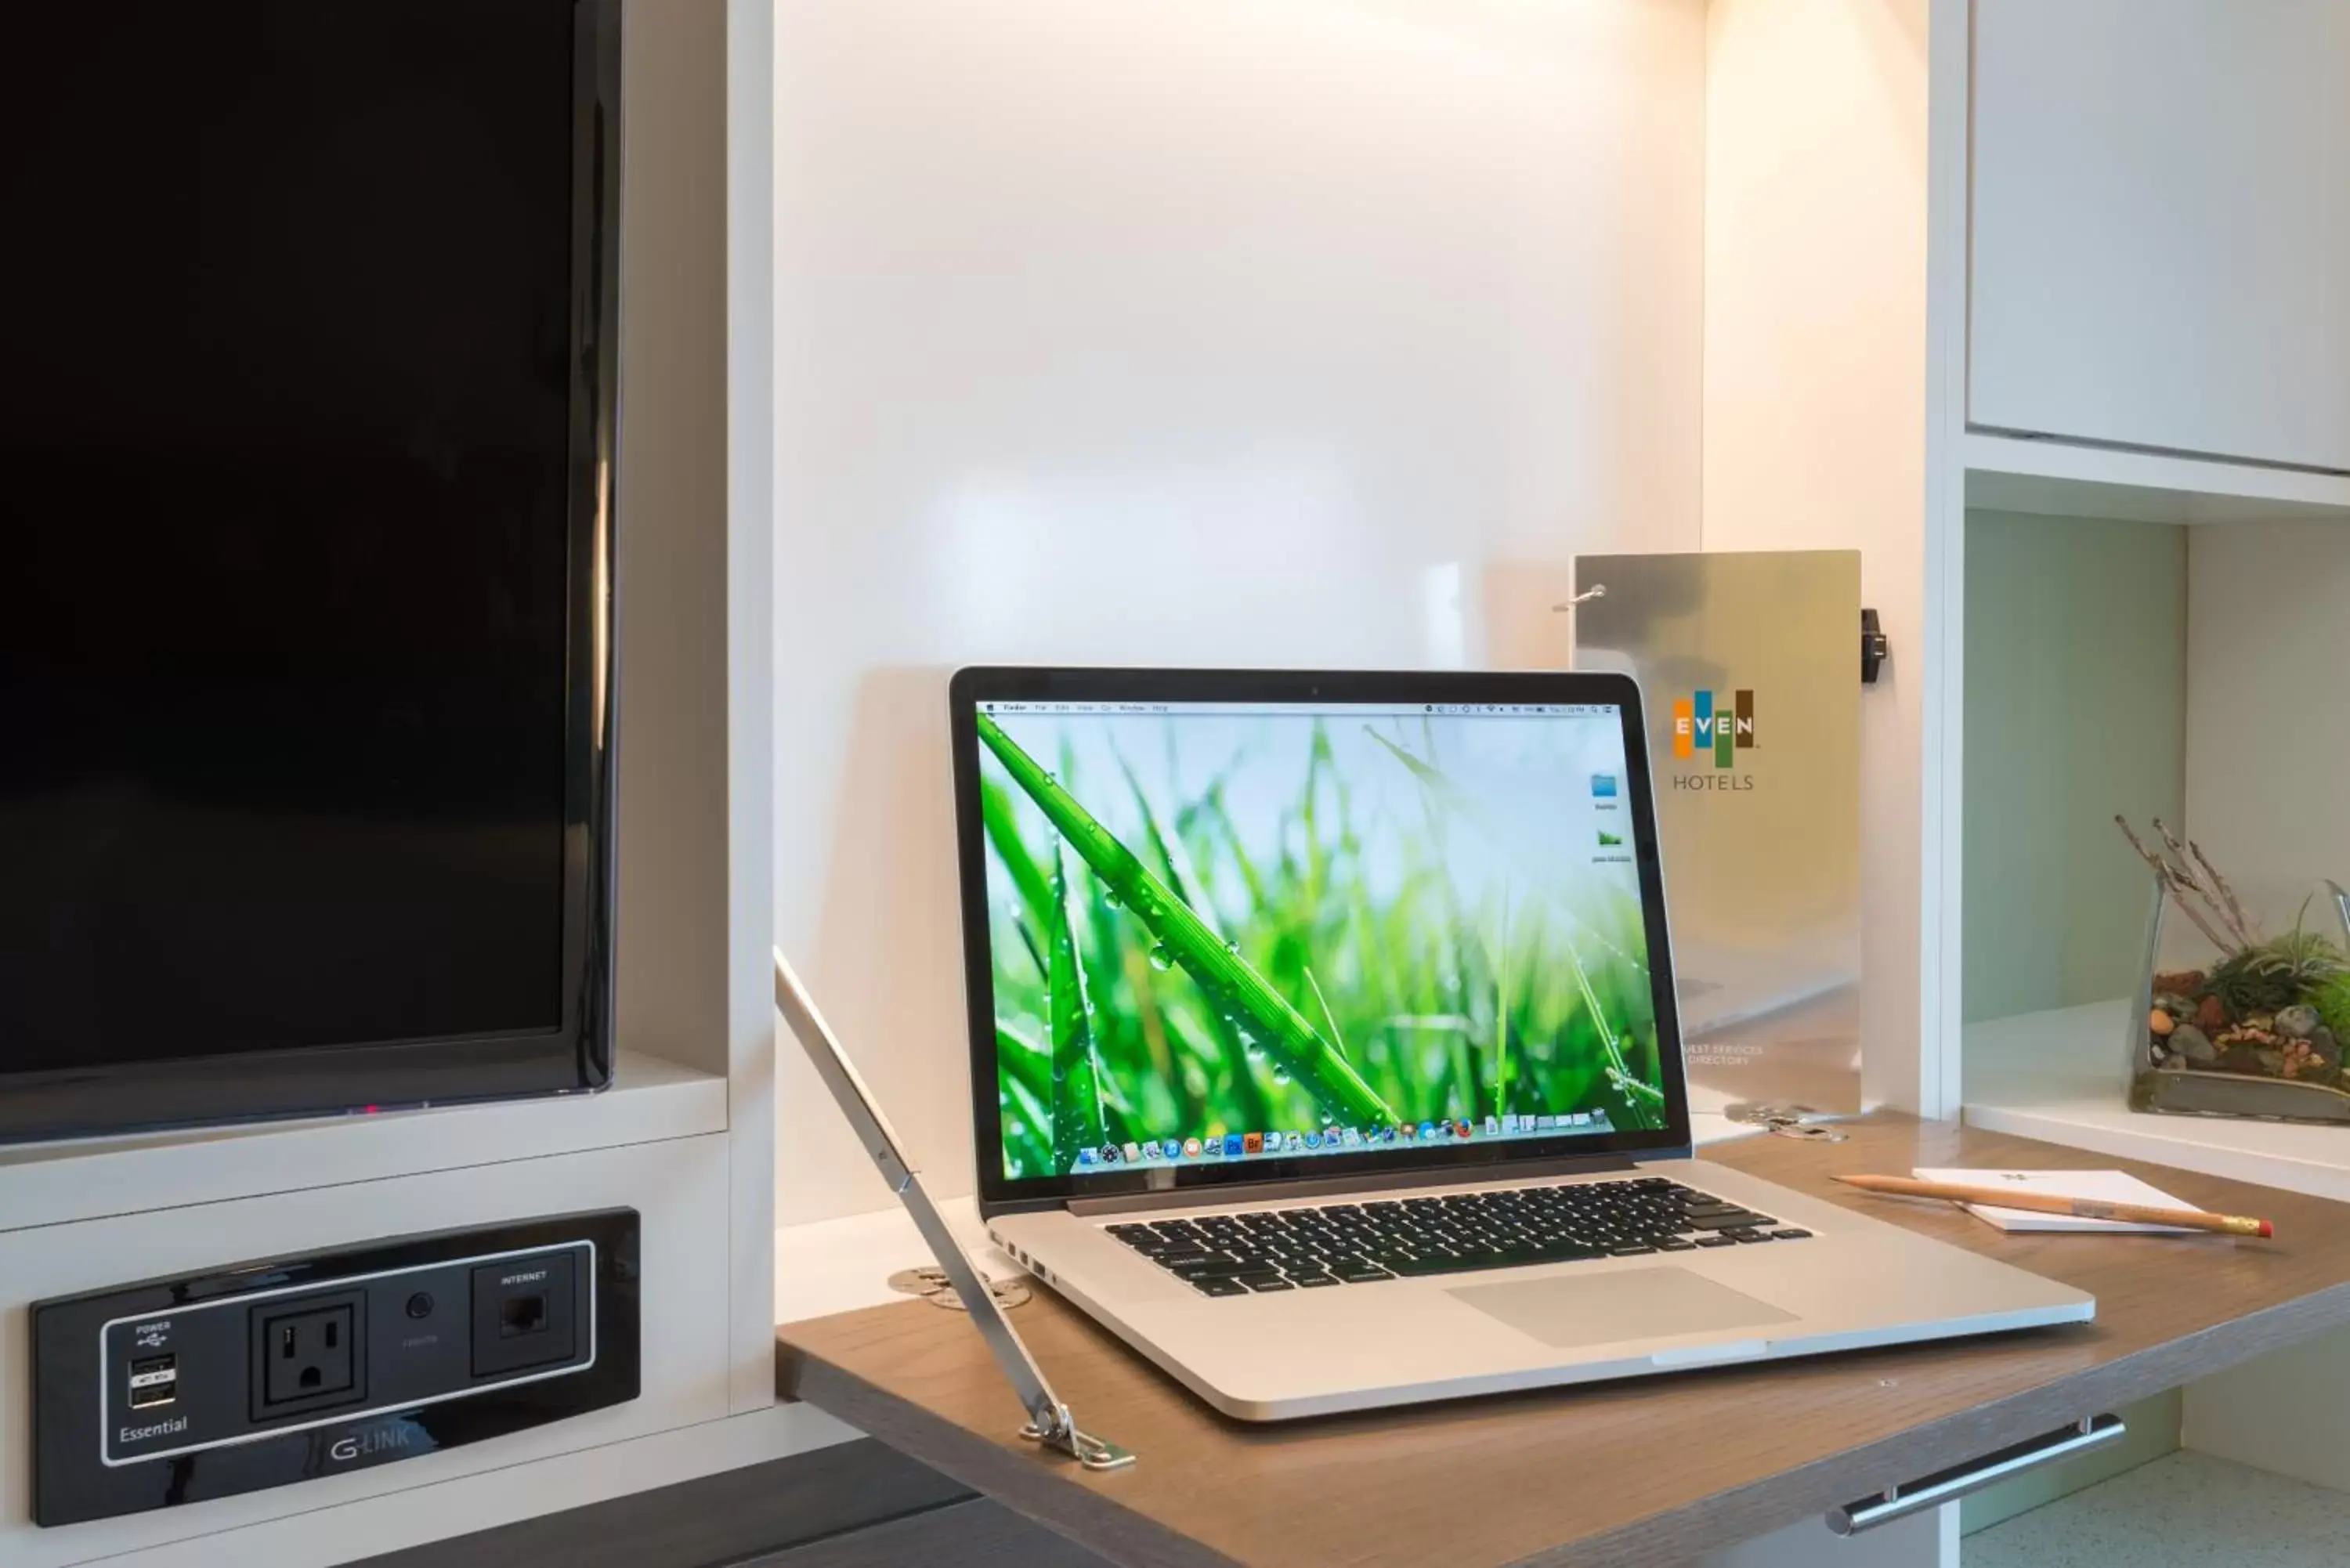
[
  {"x": 270, "y": 1371},
  {"x": 309, "y": 1353}
]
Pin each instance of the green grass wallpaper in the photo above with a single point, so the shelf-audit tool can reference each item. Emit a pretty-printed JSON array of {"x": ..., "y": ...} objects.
[{"x": 1278, "y": 923}]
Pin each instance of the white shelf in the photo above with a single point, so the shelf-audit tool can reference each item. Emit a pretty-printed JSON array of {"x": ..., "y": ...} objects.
[
  {"x": 2057, "y": 1077},
  {"x": 2184, "y": 1511},
  {"x": 2064, "y": 479},
  {"x": 650, "y": 1099}
]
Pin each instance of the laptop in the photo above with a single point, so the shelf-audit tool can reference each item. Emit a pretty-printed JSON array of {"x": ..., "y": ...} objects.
[{"x": 1323, "y": 1047}]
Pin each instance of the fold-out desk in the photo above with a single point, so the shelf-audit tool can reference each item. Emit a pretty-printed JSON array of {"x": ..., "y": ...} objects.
[{"x": 1651, "y": 1471}]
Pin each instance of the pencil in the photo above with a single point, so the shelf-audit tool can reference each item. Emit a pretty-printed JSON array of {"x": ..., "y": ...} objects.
[{"x": 2048, "y": 1203}]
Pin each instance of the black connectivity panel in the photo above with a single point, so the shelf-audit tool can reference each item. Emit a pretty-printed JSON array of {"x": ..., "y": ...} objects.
[{"x": 254, "y": 1376}]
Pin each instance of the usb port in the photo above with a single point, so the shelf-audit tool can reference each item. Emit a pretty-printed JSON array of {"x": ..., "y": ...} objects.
[{"x": 154, "y": 1380}]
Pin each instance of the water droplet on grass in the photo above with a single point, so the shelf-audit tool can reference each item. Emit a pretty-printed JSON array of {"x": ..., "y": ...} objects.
[{"x": 1161, "y": 957}]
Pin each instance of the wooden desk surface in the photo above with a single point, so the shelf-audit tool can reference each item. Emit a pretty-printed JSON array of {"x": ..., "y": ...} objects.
[{"x": 1649, "y": 1471}]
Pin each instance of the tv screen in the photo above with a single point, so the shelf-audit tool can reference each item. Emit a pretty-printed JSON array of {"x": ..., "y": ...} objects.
[{"x": 305, "y": 648}]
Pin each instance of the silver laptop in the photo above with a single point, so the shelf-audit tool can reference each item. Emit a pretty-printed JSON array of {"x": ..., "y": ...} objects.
[{"x": 1323, "y": 1047}]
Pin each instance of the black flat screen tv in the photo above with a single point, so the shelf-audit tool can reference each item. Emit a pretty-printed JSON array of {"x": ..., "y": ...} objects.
[{"x": 306, "y": 644}]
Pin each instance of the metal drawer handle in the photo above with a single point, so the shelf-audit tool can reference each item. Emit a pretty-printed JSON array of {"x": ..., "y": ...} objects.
[{"x": 1943, "y": 1486}]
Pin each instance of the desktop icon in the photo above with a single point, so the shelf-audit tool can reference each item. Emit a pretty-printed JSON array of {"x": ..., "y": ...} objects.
[
  {"x": 1603, "y": 787},
  {"x": 1492, "y": 1127},
  {"x": 1085, "y": 1157},
  {"x": 1387, "y": 1134},
  {"x": 1296, "y": 1140},
  {"x": 1464, "y": 1128},
  {"x": 1191, "y": 1149},
  {"x": 1610, "y": 840},
  {"x": 1352, "y": 1137},
  {"x": 1133, "y": 1151},
  {"x": 1252, "y": 1143},
  {"x": 1509, "y": 1123},
  {"x": 1109, "y": 1154},
  {"x": 1231, "y": 1144},
  {"x": 1427, "y": 1130},
  {"x": 1545, "y": 1123},
  {"x": 1314, "y": 1140}
]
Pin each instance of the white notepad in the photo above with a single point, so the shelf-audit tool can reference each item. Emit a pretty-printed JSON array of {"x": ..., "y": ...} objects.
[{"x": 2103, "y": 1185}]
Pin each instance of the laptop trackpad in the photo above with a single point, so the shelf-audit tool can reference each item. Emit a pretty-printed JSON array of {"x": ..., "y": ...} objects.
[{"x": 1632, "y": 1304}]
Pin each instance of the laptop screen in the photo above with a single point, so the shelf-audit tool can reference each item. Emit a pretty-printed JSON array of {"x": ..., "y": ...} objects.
[{"x": 1224, "y": 932}]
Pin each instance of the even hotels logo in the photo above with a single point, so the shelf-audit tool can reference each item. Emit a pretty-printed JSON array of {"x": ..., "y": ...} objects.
[{"x": 1701, "y": 728}]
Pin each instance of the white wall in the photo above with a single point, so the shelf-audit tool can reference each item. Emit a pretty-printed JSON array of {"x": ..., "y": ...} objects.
[
  {"x": 1817, "y": 401},
  {"x": 1302, "y": 332},
  {"x": 2076, "y": 709},
  {"x": 2267, "y": 756}
]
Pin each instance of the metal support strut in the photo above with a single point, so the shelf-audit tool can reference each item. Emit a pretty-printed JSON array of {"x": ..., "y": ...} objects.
[{"x": 1049, "y": 1424}]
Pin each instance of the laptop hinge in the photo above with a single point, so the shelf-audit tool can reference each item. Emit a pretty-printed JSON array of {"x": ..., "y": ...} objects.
[{"x": 1336, "y": 1186}]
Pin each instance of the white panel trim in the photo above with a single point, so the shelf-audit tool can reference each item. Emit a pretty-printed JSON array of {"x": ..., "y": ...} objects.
[
  {"x": 2200, "y": 490},
  {"x": 650, "y": 1101},
  {"x": 750, "y": 694},
  {"x": 1943, "y": 652},
  {"x": 506, "y": 1495}
]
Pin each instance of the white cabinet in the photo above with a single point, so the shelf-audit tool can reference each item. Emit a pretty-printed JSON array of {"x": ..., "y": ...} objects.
[{"x": 2161, "y": 224}]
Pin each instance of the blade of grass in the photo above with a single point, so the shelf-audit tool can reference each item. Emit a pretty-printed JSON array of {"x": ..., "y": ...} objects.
[
  {"x": 1503, "y": 1073},
  {"x": 1025, "y": 1061},
  {"x": 1337, "y": 1038},
  {"x": 1077, "y": 1086},
  {"x": 1250, "y": 878},
  {"x": 1642, "y": 1097},
  {"x": 1231, "y": 984},
  {"x": 1103, "y": 947},
  {"x": 1160, "y": 1043},
  {"x": 1003, "y": 824},
  {"x": 1443, "y": 792},
  {"x": 1183, "y": 881},
  {"x": 1027, "y": 1148}
]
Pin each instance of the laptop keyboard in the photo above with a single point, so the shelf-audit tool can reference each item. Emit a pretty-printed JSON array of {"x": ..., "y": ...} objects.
[{"x": 1360, "y": 1243}]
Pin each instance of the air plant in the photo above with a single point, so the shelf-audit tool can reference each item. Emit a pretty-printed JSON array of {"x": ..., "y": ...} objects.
[
  {"x": 2275, "y": 975},
  {"x": 2196, "y": 887},
  {"x": 2258, "y": 974}
]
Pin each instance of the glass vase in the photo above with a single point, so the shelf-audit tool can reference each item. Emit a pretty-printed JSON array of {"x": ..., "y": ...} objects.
[{"x": 2255, "y": 1030}]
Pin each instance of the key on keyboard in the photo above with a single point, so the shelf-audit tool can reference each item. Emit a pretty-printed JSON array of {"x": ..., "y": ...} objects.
[{"x": 1360, "y": 1243}]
